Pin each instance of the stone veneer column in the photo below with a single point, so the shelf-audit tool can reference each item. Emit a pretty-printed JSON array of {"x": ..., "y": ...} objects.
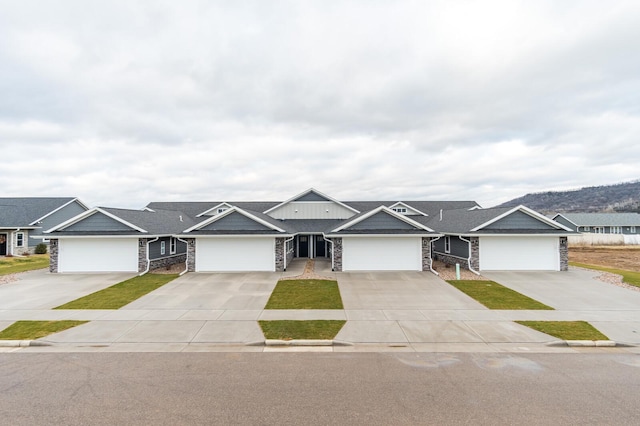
[
  {"x": 475, "y": 253},
  {"x": 337, "y": 254},
  {"x": 142, "y": 254},
  {"x": 564, "y": 254},
  {"x": 53, "y": 255},
  {"x": 279, "y": 254},
  {"x": 426, "y": 254},
  {"x": 191, "y": 254}
]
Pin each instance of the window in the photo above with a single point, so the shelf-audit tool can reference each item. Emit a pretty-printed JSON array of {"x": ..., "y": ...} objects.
[
  {"x": 172, "y": 246},
  {"x": 19, "y": 239},
  {"x": 598, "y": 229},
  {"x": 632, "y": 229},
  {"x": 616, "y": 230},
  {"x": 400, "y": 209},
  {"x": 221, "y": 209},
  {"x": 586, "y": 228},
  {"x": 447, "y": 244},
  {"x": 163, "y": 247}
]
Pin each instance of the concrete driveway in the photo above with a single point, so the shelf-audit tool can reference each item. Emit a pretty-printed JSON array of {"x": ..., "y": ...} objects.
[{"x": 42, "y": 290}]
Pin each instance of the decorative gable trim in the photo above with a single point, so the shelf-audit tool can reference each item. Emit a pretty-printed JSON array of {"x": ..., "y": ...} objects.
[
  {"x": 388, "y": 211},
  {"x": 292, "y": 199},
  {"x": 228, "y": 212},
  {"x": 408, "y": 207},
  {"x": 565, "y": 218},
  {"x": 83, "y": 205},
  {"x": 91, "y": 212},
  {"x": 215, "y": 208},
  {"x": 527, "y": 211}
]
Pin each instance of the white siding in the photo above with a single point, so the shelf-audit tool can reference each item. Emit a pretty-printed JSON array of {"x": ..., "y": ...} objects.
[
  {"x": 381, "y": 254},
  {"x": 235, "y": 254},
  {"x": 311, "y": 210},
  {"x": 98, "y": 255},
  {"x": 519, "y": 254}
]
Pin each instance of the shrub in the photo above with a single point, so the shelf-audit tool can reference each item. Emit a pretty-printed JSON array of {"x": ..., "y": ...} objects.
[{"x": 41, "y": 248}]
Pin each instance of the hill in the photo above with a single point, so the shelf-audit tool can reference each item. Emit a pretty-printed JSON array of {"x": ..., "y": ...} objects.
[{"x": 622, "y": 197}]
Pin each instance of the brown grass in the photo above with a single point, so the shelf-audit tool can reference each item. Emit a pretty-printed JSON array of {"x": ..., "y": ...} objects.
[{"x": 617, "y": 257}]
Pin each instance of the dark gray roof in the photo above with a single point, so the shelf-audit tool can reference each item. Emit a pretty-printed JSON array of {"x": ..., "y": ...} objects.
[
  {"x": 431, "y": 208},
  {"x": 604, "y": 219},
  {"x": 312, "y": 226},
  {"x": 21, "y": 211},
  {"x": 194, "y": 208}
]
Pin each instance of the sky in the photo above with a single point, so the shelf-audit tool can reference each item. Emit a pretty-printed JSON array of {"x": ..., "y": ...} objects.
[{"x": 121, "y": 103}]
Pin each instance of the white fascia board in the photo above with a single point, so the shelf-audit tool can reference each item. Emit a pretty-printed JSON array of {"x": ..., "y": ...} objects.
[
  {"x": 526, "y": 210},
  {"x": 79, "y": 237},
  {"x": 59, "y": 208},
  {"x": 214, "y": 208},
  {"x": 228, "y": 212},
  {"x": 233, "y": 236},
  {"x": 565, "y": 218},
  {"x": 305, "y": 193},
  {"x": 386, "y": 210},
  {"x": 330, "y": 235},
  {"x": 17, "y": 228},
  {"x": 476, "y": 207},
  {"x": 91, "y": 212},
  {"x": 517, "y": 235},
  {"x": 407, "y": 206}
]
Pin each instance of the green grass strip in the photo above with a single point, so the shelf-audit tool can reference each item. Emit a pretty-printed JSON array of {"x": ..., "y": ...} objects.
[
  {"x": 629, "y": 277},
  {"x": 13, "y": 265},
  {"x": 288, "y": 330},
  {"x": 121, "y": 294},
  {"x": 305, "y": 294},
  {"x": 496, "y": 296},
  {"x": 566, "y": 330},
  {"x": 31, "y": 330}
]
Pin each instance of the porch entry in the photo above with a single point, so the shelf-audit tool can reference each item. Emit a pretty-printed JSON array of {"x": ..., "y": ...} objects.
[
  {"x": 310, "y": 246},
  {"x": 3, "y": 244}
]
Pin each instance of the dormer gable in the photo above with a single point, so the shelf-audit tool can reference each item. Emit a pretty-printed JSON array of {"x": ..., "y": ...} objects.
[
  {"x": 406, "y": 209},
  {"x": 216, "y": 210},
  {"x": 311, "y": 204}
]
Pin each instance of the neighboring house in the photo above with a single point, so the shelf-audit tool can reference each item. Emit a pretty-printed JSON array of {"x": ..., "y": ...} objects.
[
  {"x": 602, "y": 228},
  {"x": 112, "y": 240},
  {"x": 23, "y": 219},
  {"x": 512, "y": 238},
  {"x": 266, "y": 236}
]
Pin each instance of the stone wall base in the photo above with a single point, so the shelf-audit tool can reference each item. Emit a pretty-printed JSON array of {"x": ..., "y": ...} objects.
[
  {"x": 166, "y": 262},
  {"x": 451, "y": 260}
]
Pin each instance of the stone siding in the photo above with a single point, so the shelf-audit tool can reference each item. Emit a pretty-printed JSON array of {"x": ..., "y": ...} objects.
[
  {"x": 191, "y": 254},
  {"x": 142, "y": 254},
  {"x": 279, "y": 247},
  {"x": 564, "y": 254},
  {"x": 337, "y": 254},
  {"x": 168, "y": 261},
  {"x": 426, "y": 254},
  {"x": 53, "y": 255},
  {"x": 475, "y": 253}
]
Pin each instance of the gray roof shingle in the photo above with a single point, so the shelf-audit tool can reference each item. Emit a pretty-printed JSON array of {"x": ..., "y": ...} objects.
[
  {"x": 604, "y": 219},
  {"x": 21, "y": 211}
]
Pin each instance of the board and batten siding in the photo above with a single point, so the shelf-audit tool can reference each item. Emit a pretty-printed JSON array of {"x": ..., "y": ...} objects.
[
  {"x": 311, "y": 210},
  {"x": 154, "y": 248},
  {"x": 519, "y": 220},
  {"x": 380, "y": 221},
  {"x": 459, "y": 248},
  {"x": 98, "y": 222},
  {"x": 64, "y": 214},
  {"x": 235, "y": 222}
]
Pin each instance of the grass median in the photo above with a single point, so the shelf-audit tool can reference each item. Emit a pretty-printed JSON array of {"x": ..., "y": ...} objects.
[
  {"x": 305, "y": 294},
  {"x": 496, "y": 296},
  {"x": 31, "y": 330},
  {"x": 304, "y": 330},
  {"x": 566, "y": 330},
  {"x": 121, "y": 294},
  {"x": 13, "y": 265},
  {"x": 629, "y": 277}
]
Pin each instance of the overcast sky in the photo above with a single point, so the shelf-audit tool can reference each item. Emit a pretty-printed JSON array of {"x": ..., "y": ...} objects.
[{"x": 124, "y": 102}]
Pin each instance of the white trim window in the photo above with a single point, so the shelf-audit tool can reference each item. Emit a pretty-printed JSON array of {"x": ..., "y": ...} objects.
[
  {"x": 598, "y": 229},
  {"x": 173, "y": 245},
  {"x": 19, "y": 239},
  {"x": 400, "y": 209},
  {"x": 163, "y": 247},
  {"x": 586, "y": 228},
  {"x": 447, "y": 244},
  {"x": 615, "y": 230},
  {"x": 632, "y": 229},
  {"x": 222, "y": 209}
]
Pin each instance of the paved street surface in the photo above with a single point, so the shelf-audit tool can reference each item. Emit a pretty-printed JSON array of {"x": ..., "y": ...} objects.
[
  {"x": 319, "y": 389},
  {"x": 385, "y": 311}
]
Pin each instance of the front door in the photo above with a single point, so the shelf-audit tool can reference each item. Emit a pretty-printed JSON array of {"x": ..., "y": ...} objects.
[
  {"x": 303, "y": 246},
  {"x": 321, "y": 246},
  {"x": 3, "y": 244}
]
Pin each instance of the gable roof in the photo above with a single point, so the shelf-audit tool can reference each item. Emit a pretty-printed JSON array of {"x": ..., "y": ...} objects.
[
  {"x": 602, "y": 219},
  {"x": 256, "y": 217},
  {"x": 316, "y": 192},
  {"x": 382, "y": 209},
  {"x": 25, "y": 212},
  {"x": 408, "y": 207}
]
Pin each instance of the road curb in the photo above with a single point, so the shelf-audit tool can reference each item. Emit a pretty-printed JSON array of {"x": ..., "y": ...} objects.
[
  {"x": 22, "y": 343},
  {"x": 585, "y": 343}
]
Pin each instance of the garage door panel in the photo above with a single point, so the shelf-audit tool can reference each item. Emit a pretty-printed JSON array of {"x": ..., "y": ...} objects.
[
  {"x": 98, "y": 255},
  {"x": 381, "y": 254},
  {"x": 235, "y": 254},
  {"x": 519, "y": 254}
]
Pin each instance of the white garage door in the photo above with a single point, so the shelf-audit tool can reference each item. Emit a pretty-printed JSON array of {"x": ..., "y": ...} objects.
[
  {"x": 519, "y": 254},
  {"x": 98, "y": 255},
  {"x": 381, "y": 254},
  {"x": 235, "y": 254}
]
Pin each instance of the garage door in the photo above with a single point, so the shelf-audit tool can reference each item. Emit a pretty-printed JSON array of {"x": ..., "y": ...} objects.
[
  {"x": 235, "y": 254},
  {"x": 381, "y": 254},
  {"x": 519, "y": 254},
  {"x": 98, "y": 255}
]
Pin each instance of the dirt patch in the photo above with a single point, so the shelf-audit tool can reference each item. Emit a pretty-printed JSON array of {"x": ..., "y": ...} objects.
[
  {"x": 173, "y": 269},
  {"x": 620, "y": 257}
]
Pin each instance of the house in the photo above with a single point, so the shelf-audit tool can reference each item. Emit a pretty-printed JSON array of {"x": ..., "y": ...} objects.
[
  {"x": 513, "y": 238},
  {"x": 602, "y": 228},
  {"x": 23, "y": 219},
  {"x": 266, "y": 236}
]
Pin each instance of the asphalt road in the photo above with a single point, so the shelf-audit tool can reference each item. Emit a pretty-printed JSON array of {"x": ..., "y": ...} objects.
[{"x": 319, "y": 388}]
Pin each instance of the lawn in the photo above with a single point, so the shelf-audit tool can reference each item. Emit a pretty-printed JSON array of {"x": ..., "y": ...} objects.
[
  {"x": 305, "y": 294},
  {"x": 566, "y": 330},
  {"x": 121, "y": 294},
  {"x": 629, "y": 277},
  {"x": 12, "y": 265},
  {"x": 495, "y": 296},
  {"x": 31, "y": 330},
  {"x": 288, "y": 330}
]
